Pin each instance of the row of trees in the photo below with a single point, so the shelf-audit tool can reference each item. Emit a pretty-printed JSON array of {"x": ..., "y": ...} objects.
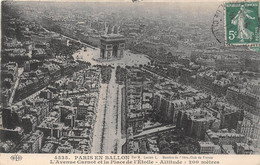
[
  {"x": 159, "y": 54},
  {"x": 120, "y": 74},
  {"x": 106, "y": 74},
  {"x": 176, "y": 142}
]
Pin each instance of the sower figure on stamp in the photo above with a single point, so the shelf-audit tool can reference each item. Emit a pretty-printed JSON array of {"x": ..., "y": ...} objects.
[{"x": 239, "y": 20}]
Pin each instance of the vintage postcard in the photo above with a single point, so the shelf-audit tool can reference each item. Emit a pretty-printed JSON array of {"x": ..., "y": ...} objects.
[{"x": 131, "y": 82}]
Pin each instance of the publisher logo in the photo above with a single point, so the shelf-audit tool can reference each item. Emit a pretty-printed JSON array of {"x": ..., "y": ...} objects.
[{"x": 16, "y": 157}]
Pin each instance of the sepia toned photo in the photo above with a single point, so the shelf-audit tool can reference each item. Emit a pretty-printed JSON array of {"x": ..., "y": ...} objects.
[{"x": 129, "y": 77}]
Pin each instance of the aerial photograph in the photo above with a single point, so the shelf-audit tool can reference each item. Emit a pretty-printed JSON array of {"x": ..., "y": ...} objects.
[{"x": 130, "y": 77}]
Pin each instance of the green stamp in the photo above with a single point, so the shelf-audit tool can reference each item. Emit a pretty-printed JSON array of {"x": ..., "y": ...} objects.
[{"x": 242, "y": 23}]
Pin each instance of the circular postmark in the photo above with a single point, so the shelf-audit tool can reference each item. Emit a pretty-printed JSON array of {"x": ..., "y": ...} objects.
[{"x": 217, "y": 26}]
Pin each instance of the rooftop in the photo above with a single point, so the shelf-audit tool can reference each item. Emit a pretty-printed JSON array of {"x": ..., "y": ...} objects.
[
  {"x": 206, "y": 144},
  {"x": 112, "y": 36}
]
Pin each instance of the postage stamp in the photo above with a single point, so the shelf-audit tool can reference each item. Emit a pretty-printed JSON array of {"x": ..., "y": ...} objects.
[{"x": 242, "y": 23}]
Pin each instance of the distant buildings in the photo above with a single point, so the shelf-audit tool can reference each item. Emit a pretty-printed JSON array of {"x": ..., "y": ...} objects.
[
  {"x": 227, "y": 149},
  {"x": 10, "y": 118},
  {"x": 32, "y": 65},
  {"x": 195, "y": 122},
  {"x": 224, "y": 137},
  {"x": 169, "y": 108},
  {"x": 7, "y": 146},
  {"x": 209, "y": 148},
  {"x": 229, "y": 115},
  {"x": 134, "y": 112},
  {"x": 250, "y": 129},
  {"x": 14, "y": 135},
  {"x": 168, "y": 102},
  {"x": 243, "y": 148},
  {"x": 38, "y": 75},
  {"x": 229, "y": 64},
  {"x": 9, "y": 74},
  {"x": 215, "y": 82},
  {"x": 9, "y": 70},
  {"x": 252, "y": 64},
  {"x": 43, "y": 117},
  {"x": 244, "y": 99},
  {"x": 47, "y": 148},
  {"x": 32, "y": 144}
]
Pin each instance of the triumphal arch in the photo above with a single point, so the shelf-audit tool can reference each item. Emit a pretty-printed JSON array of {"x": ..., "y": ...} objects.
[{"x": 112, "y": 46}]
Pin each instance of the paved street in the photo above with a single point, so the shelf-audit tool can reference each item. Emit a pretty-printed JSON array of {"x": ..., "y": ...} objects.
[
  {"x": 93, "y": 56},
  {"x": 107, "y": 134},
  {"x": 107, "y": 129},
  {"x": 20, "y": 71}
]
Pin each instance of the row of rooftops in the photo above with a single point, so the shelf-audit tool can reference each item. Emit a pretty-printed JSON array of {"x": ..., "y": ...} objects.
[
  {"x": 224, "y": 133},
  {"x": 9, "y": 65},
  {"x": 39, "y": 73},
  {"x": 183, "y": 101},
  {"x": 199, "y": 114},
  {"x": 244, "y": 91}
]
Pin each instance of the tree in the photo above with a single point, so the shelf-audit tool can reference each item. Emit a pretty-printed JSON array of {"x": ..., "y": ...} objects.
[
  {"x": 163, "y": 144},
  {"x": 166, "y": 150},
  {"x": 175, "y": 150},
  {"x": 168, "y": 139}
]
